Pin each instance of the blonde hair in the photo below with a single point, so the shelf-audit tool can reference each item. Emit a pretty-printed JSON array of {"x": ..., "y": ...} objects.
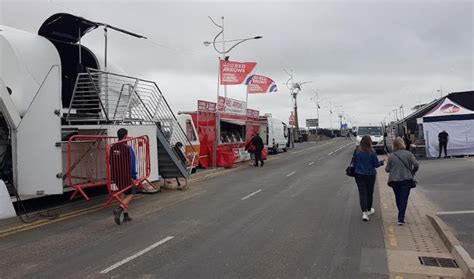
[
  {"x": 365, "y": 144},
  {"x": 398, "y": 144}
]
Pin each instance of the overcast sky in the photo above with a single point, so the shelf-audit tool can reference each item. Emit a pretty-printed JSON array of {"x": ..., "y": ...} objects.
[{"x": 367, "y": 57}]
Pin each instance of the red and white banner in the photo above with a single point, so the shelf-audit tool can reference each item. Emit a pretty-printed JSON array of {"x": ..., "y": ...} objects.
[
  {"x": 292, "y": 121},
  {"x": 260, "y": 84},
  {"x": 233, "y": 73},
  {"x": 232, "y": 106},
  {"x": 204, "y": 106}
]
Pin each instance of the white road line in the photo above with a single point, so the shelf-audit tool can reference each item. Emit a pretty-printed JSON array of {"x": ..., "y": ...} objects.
[
  {"x": 455, "y": 212},
  {"x": 331, "y": 153},
  {"x": 254, "y": 193},
  {"x": 312, "y": 163},
  {"x": 291, "y": 173},
  {"x": 136, "y": 255}
]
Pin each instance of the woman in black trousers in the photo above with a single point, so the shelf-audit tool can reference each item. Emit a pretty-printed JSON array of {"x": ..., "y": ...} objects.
[{"x": 365, "y": 163}]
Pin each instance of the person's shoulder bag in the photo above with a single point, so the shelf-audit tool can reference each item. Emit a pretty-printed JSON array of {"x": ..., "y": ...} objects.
[
  {"x": 350, "y": 170},
  {"x": 412, "y": 181}
]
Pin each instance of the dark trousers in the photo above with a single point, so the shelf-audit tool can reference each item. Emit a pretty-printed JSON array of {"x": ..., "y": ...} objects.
[
  {"x": 258, "y": 157},
  {"x": 402, "y": 191},
  {"x": 365, "y": 184},
  {"x": 441, "y": 146}
]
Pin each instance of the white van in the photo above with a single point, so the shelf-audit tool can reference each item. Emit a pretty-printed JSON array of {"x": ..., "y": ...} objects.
[
  {"x": 274, "y": 134},
  {"x": 376, "y": 135}
]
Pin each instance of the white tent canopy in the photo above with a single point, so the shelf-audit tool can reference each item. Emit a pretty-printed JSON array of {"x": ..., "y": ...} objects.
[{"x": 457, "y": 121}]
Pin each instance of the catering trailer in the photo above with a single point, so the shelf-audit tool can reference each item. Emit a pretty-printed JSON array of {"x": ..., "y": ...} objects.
[
  {"x": 52, "y": 87},
  {"x": 235, "y": 125}
]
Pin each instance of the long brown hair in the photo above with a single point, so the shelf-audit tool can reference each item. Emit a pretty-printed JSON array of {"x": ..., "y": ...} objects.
[{"x": 365, "y": 144}]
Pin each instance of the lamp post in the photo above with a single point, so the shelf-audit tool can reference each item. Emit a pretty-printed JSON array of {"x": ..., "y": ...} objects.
[{"x": 224, "y": 53}]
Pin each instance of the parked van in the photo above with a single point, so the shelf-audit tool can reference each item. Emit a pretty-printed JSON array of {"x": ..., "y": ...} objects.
[{"x": 274, "y": 134}]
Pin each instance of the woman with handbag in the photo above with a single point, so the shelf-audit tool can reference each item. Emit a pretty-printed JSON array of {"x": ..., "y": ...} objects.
[
  {"x": 401, "y": 167},
  {"x": 365, "y": 162}
]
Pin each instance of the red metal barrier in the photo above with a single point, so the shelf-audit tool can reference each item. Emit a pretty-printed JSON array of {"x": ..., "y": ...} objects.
[{"x": 104, "y": 161}]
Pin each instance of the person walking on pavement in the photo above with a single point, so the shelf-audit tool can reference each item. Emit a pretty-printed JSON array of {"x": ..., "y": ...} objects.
[
  {"x": 443, "y": 138},
  {"x": 401, "y": 166},
  {"x": 258, "y": 143},
  {"x": 123, "y": 174},
  {"x": 251, "y": 148},
  {"x": 365, "y": 162}
]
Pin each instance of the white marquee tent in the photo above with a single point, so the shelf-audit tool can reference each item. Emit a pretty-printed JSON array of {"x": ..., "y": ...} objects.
[{"x": 457, "y": 121}]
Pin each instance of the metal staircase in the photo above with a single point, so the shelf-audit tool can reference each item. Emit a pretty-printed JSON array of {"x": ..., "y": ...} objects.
[{"x": 105, "y": 98}]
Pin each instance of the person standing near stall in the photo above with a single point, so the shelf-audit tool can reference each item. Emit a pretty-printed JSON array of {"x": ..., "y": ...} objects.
[
  {"x": 258, "y": 143},
  {"x": 443, "y": 138}
]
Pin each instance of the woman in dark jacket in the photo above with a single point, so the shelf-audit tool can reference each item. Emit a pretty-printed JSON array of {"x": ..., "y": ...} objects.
[{"x": 365, "y": 163}]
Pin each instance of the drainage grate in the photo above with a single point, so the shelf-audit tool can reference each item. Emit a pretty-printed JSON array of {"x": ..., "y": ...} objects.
[{"x": 438, "y": 262}]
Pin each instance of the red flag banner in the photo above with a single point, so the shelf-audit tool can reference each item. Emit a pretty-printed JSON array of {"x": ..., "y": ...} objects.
[
  {"x": 233, "y": 73},
  {"x": 260, "y": 84}
]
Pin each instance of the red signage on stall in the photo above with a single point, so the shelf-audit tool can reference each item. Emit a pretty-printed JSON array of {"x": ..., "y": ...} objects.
[
  {"x": 204, "y": 106},
  {"x": 233, "y": 73},
  {"x": 231, "y": 106},
  {"x": 254, "y": 114}
]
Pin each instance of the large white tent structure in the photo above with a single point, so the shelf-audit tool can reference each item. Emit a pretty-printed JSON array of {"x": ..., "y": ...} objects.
[{"x": 457, "y": 121}]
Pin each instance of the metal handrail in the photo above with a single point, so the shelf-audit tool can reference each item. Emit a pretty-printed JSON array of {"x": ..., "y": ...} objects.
[{"x": 145, "y": 103}]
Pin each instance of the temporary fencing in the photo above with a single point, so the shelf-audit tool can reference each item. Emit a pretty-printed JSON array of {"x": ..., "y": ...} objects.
[{"x": 95, "y": 161}]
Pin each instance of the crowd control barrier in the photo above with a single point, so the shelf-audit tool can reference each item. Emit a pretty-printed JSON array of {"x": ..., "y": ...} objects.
[{"x": 95, "y": 161}]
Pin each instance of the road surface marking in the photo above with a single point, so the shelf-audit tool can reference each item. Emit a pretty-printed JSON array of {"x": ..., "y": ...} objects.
[
  {"x": 455, "y": 212},
  {"x": 291, "y": 173},
  {"x": 136, "y": 255},
  {"x": 331, "y": 153},
  {"x": 398, "y": 277},
  {"x": 391, "y": 237},
  {"x": 254, "y": 193},
  {"x": 312, "y": 163}
]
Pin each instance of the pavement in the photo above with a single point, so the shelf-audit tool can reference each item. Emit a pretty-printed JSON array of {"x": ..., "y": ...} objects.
[{"x": 296, "y": 217}]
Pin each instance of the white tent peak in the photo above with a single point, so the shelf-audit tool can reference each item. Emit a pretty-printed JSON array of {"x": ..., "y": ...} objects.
[{"x": 448, "y": 107}]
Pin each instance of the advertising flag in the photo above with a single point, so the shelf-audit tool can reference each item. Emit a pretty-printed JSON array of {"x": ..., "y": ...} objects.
[
  {"x": 233, "y": 73},
  {"x": 260, "y": 84}
]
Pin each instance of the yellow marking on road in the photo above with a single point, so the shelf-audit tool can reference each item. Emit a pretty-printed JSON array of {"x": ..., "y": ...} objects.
[
  {"x": 398, "y": 277},
  {"x": 392, "y": 239},
  {"x": 384, "y": 205},
  {"x": 26, "y": 227}
]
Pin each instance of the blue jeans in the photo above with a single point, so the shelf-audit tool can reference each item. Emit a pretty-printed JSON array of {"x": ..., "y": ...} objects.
[{"x": 402, "y": 191}]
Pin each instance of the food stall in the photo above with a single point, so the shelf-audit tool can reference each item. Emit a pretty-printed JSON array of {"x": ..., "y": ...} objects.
[{"x": 235, "y": 125}]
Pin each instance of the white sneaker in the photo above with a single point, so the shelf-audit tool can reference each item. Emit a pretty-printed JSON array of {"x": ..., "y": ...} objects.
[
  {"x": 371, "y": 211},
  {"x": 365, "y": 216}
]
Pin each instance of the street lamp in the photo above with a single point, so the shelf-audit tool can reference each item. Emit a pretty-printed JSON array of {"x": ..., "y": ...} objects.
[{"x": 224, "y": 53}]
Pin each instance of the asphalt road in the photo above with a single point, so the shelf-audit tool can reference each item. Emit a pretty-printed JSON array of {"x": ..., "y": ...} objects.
[{"x": 296, "y": 217}]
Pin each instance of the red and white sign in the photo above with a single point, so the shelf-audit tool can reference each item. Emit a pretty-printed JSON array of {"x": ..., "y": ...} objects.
[
  {"x": 233, "y": 73},
  {"x": 292, "y": 121},
  {"x": 204, "y": 106},
  {"x": 231, "y": 106},
  {"x": 260, "y": 84},
  {"x": 251, "y": 113}
]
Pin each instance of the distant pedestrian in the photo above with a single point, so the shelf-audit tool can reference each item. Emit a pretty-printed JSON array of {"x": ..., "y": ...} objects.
[
  {"x": 365, "y": 163},
  {"x": 251, "y": 149},
  {"x": 407, "y": 141},
  {"x": 401, "y": 166},
  {"x": 443, "y": 139},
  {"x": 348, "y": 135},
  {"x": 123, "y": 174},
  {"x": 177, "y": 149},
  {"x": 258, "y": 143}
]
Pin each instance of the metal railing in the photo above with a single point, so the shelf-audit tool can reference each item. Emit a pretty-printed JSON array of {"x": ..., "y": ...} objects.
[{"x": 107, "y": 98}]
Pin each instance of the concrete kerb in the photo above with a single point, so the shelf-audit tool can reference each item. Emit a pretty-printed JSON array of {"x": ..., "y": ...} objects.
[{"x": 466, "y": 263}]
